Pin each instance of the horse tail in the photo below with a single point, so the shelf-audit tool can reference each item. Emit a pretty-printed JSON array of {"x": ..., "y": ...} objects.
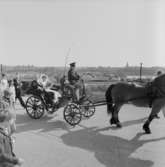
[{"x": 109, "y": 100}]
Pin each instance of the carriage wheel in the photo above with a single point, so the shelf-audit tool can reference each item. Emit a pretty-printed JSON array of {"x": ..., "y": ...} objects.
[
  {"x": 72, "y": 114},
  {"x": 87, "y": 108},
  {"x": 34, "y": 107}
]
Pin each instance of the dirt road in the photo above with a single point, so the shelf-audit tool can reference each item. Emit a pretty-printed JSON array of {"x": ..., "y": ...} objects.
[{"x": 51, "y": 142}]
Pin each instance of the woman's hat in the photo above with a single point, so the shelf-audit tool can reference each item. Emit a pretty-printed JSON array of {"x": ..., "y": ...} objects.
[{"x": 43, "y": 76}]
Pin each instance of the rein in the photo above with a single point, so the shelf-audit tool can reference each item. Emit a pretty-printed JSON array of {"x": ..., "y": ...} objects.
[
  {"x": 158, "y": 95},
  {"x": 136, "y": 98},
  {"x": 131, "y": 99}
]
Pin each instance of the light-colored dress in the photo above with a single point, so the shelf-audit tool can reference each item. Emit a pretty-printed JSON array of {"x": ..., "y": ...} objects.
[
  {"x": 46, "y": 85},
  {"x": 12, "y": 94},
  {"x": 3, "y": 84}
]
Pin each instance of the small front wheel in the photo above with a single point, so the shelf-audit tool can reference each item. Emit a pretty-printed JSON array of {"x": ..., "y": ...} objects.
[
  {"x": 72, "y": 114},
  {"x": 87, "y": 108}
]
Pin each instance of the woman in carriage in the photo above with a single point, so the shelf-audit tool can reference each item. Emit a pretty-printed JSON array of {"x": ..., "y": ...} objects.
[{"x": 44, "y": 82}]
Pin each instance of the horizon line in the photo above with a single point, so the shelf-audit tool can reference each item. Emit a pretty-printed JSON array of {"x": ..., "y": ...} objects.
[{"x": 100, "y": 66}]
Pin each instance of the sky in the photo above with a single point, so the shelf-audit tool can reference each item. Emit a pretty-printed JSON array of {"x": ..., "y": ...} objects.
[{"x": 90, "y": 32}]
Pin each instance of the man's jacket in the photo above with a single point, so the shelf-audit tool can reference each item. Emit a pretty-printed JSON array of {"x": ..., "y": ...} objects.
[{"x": 73, "y": 77}]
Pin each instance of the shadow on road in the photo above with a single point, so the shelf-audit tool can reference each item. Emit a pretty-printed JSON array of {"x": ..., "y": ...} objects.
[
  {"x": 44, "y": 124},
  {"x": 112, "y": 151},
  {"x": 125, "y": 124},
  {"x": 133, "y": 122}
]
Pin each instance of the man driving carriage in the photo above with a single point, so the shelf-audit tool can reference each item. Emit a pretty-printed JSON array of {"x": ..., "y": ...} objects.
[{"x": 74, "y": 78}]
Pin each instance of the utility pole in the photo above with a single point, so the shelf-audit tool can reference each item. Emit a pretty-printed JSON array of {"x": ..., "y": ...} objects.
[{"x": 141, "y": 64}]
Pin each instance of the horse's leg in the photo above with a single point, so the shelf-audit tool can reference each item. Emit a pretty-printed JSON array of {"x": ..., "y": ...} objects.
[
  {"x": 157, "y": 106},
  {"x": 146, "y": 125},
  {"x": 115, "y": 117}
]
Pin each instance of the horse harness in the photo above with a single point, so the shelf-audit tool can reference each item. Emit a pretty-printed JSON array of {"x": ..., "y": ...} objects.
[{"x": 154, "y": 92}]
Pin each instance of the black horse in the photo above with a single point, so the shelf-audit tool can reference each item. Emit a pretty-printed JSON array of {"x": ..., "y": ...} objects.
[{"x": 142, "y": 96}]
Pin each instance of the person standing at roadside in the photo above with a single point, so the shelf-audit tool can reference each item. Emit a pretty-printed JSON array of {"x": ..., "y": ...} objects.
[
  {"x": 17, "y": 85},
  {"x": 11, "y": 90},
  {"x": 3, "y": 83}
]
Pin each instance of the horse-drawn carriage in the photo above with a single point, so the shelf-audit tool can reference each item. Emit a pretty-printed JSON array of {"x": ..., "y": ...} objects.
[
  {"x": 40, "y": 101},
  {"x": 149, "y": 95}
]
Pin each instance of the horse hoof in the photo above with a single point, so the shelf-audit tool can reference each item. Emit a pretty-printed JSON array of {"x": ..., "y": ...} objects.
[
  {"x": 146, "y": 129},
  {"x": 157, "y": 116},
  {"x": 118, "y": 125},
  {"x": 112, "y": 121}
]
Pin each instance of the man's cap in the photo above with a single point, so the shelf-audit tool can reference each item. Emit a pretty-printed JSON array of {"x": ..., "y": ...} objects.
[{"x": 73, "y": 64}]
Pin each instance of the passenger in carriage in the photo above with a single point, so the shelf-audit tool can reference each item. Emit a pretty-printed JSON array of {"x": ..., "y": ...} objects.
[
  {"x": 73, "y": 78},
  {"x": 46, "y": 84}
]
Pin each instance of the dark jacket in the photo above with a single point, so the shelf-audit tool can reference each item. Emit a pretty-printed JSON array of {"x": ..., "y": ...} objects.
[
  {"x": 17, "y": 86},
  {"x": 73, "y": 77},
  {"x": 17, "y": 83}
]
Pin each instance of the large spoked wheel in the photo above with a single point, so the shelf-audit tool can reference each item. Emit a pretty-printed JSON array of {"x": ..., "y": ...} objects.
[
  {"x": 87, "y": 108},
  {"x": 34, "y": 107},
  {"x": 72, "y": 114}
]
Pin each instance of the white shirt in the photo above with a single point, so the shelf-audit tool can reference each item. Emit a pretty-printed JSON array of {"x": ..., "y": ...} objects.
[
  {"x": 3, "y": 84},
  {"x": 12, "y": 92}
]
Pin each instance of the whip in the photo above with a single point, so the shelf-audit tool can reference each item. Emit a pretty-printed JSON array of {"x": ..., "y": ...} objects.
[{"x": 66, "y": 60}]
